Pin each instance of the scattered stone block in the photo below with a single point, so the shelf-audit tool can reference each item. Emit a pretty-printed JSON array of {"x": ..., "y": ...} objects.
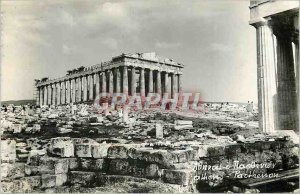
[
  {"x": 61, "y": 146},
  {"x": 183, "y": 124},
  {"x": 73, "y": 163},
  {"x": 8, "y": 151},
  {"x": 17, "y": 128},
  {"x": 84, "y": 150},
  {"x": 36, "y": 128},
  {"x": 288, "y": 133},
  {"x": 119, "y": 166},
  {"x": 179, "y": 177},
  {"x": 52, "y": 165},
  {"x": 152, "y": 171},
  {"x": 120, "y": 150},
  {"x": 16, "y": 186},
  {"x": 13, "y": 171},
  {"x": 62, "y": 130},
  {"x": 49, "y": 180},
  {"x": 53, "y": 116},
  {"x": 159, "y": 131},
  {"x": 91, "y": 164},
  {"x": 82, "y": 178},
  {"x": 100, "y": 150}
]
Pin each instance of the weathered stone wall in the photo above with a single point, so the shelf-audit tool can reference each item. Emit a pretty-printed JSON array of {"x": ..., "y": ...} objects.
[{"x": 83, "y": 162}]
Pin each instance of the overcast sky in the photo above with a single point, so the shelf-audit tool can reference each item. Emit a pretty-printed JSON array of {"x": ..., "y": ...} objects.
[{"x": 211, "y": 38}]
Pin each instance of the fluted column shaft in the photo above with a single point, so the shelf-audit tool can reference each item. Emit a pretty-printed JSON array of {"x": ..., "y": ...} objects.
[
  {"x": 125, "y": 80},
  {"x": 68, "y": 97},
  {"x": 150, "y": 84},
  {"x": 103, "y": 82},
  {"x": 58, "y": 95},
  {"x": 37, "y": 95},
  {"x": 97, "y": 80},
  {"x": 78, "y": 93},
  {"x": 45, "y": 95},
  {"x": 286, "y": 86},
  {"x": 158, "y": 83},
  {"x": 49, "y": 94},
  {"x": 133, "y": 82},
  {"x": 166, "y": 82},
  {"x": 142, "y": 82},
  {"x": 54, "y": 94},
  {"x": 267, "y": 98},
  {"x": 111, "y": 82},
  {"x": 179, "y": 83},
  {"x": 91, "y": 87},
  {"x": 63, "y": 92},
  {"x": 41, "y": 95},
  {"x": 173, "y": 85},
  {"x": 85, "y": 87},
  {"x": 73, "y": 83},
  {"x": 118, "y": 80}
]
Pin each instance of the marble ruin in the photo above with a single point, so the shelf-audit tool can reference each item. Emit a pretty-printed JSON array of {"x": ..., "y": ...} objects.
[
  {"x": 277, "y": 33},
  {"x": 141, "y": 73}
]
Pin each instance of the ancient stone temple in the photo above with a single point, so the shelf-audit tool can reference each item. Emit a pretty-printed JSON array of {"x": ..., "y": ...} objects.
[
  {"x": 277, "y": 33},
  {"x": 132, "y": 74}
]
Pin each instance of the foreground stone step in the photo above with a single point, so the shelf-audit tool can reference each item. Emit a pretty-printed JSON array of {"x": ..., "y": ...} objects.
[{"x": 23, "y": 185}]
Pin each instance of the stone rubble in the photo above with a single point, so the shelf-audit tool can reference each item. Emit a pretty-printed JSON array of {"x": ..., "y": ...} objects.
[{"x": 163, "y": 147}]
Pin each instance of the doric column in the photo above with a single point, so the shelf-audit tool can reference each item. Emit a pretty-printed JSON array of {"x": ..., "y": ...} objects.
[
  {"x": 118, "y": 80},
  {"x": 287, "y": 96},
  {"x": 73, "y": 99},
  {"x": 166, "y": 82},
  {"x": 45, "y": 101},
  {"x": 63, "y": 92},
  {"x": 78, "y": 93},
  {"x": 173, "y": 85},
  {"x": 142, "y": 82},
  {"x": 133, "y": 82},
  {"x": 150, "y": 84},
  {"x": 267, "y": 97},
  {"x": 158, "y": 82},
  {"x": 41, "y": 95},
  {"x": 97, "y": 80},
  {"x": 110, "y": 82},
  {"x": 179, "y": 83},
  {"x": 58, "y": 95},
  {"x": 49, "y": 94},
  {"x": 68, "y": 90},
  {"x": 91, "y": 87},
  {"x": 37, "y": 95},
  {"x": 125, "y": 80},
  {"x": 85, "y": 87},
  {"x": 54, "y": 94},
  {"x": 103, "y": 82}
]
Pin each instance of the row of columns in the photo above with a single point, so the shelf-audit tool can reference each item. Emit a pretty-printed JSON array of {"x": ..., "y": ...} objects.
[
  {"x": 122, "y": 79},
  {"x": 277, "y": 76}
]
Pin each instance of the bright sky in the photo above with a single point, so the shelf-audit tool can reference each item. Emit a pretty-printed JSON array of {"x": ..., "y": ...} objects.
[{"x": 211, "y": 38}]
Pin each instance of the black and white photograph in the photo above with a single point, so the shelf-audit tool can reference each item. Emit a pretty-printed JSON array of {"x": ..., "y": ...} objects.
[{"x": 149, "y": 96}]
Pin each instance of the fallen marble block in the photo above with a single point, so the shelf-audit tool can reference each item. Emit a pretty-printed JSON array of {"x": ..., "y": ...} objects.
[
  {"x": 49, "y": 180},
  {"x": 82, "y": 178},
  {"x": 13, "y": 171},
  {"x": 62, "y": 147},
  {"x": 8, "y": 151},
  {"x": 179, "y": 177},
  {"x": 100, "y": 150},
  {"x": 50, "y": 165}
]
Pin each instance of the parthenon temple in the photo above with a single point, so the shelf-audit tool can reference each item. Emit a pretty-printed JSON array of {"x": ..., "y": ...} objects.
[
  {"x": 131, "y": 74},
  {"x": 277, "y": 33}
]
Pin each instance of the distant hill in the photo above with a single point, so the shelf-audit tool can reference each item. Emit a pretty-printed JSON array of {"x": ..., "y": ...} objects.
[{"x": 18, "y": 102}]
